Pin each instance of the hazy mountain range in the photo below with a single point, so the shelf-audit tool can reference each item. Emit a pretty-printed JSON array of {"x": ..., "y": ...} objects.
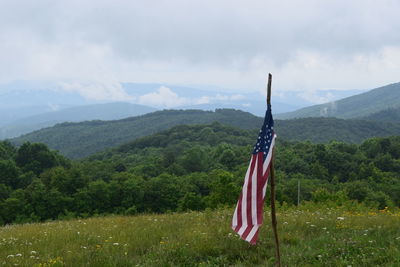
[
  {"x": 27, "y": 106},
  {"x": 107, "y": 111},
  {"x": 56, "y": 105}
]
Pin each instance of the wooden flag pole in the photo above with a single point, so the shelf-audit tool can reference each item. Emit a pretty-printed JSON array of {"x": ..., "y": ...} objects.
[{"x": 272, "y": 172}]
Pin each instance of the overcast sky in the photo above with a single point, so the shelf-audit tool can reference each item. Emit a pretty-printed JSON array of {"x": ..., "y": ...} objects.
[{"x": 307, "y": 45}]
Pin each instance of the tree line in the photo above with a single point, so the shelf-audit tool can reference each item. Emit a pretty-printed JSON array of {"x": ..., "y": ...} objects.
[{"x": 189, "y": 168}]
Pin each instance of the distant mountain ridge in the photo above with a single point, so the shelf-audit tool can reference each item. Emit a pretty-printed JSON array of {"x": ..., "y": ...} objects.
[
  {"x": 23, "y": 104},
  {"x": 357, "y": 106},
  {"x": 79, "y": 140},
  {"x": 107, "y": 111}
]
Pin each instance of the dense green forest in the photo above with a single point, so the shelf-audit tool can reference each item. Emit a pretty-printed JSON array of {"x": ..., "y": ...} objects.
[
  {"x": 79, "y": 140},
  {"x": 390, "y": 114},
  {"x": 189, "y": 168}
]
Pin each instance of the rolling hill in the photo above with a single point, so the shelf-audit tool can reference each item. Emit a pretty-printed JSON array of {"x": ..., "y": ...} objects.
[
  {"x": 358, "y": 106},
  {"x": 79, "y": 140},
  {"x": 108, "y": 111}
]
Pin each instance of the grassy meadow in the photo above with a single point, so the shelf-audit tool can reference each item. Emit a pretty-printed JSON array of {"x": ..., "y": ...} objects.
[{"x": 309, "y": 235}]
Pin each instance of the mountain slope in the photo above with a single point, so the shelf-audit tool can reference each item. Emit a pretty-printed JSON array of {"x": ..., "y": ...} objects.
[
  {"x": 391, "y": 115},
  {"x": 323, "y": 130},
  {"x": 78, "y": 140},
  {"x": 108, "y": 111},
  {"x": 357, "y": 106},
  {"x": 10, "y": 114}
]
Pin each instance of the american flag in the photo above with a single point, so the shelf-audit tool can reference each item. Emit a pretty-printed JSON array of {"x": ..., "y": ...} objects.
[{"x": 248, "y": 215}]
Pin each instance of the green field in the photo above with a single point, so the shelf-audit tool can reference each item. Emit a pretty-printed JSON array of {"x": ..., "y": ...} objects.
[{"x": 310, "y": 236}]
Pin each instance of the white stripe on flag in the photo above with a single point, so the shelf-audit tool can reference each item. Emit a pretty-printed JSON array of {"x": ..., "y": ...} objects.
[
  {"x": 252, "y": 233},
  {"x": 254, "y": 192},
  {"x": 267, "y": 162},
  {"x": 235, "y": 217},
  {"x": 269, "y": 156}
]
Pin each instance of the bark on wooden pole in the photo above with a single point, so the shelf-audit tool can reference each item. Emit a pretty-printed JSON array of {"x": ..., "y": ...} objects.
[{"x": 272, "y": 177}]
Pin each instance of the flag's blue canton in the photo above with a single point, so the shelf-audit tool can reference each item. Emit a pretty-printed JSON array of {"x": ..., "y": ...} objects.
[{"x": 266, "y": 134}]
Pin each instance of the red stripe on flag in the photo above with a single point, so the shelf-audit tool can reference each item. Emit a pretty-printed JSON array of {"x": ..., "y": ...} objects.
[
  {"x": 260, "y": 198},
  {"x": 239, "y": 214},
  {"x": 253, "y": 241}
]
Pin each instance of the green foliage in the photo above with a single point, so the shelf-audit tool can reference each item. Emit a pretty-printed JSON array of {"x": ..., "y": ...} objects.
[
  {"x": 390, "y": 115},
  {"x": 323, "y": 130},
  {"x": 7, "y": 150},
  {"x": 182, "y": 169},
  {"x": 323, "y": 196},
  {"x": 9, "y": 173},
  {"x": 191, "y": 201},
  {"x": 36, "y": 158},
  {"x": 223, "y": 189}
]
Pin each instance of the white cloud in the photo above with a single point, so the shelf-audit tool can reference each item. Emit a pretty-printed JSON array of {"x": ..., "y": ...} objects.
[
  {"x": 311, "y": 96},
  {"x": 203, "y": 100},
  {"x": 220, "y": 97},
  {"x": 237, "y": 97},
  {"x": 97, "y": 91},
  {"x": 164, "y": 98}
]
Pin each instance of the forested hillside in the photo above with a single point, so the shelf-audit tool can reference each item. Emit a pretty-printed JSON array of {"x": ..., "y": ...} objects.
[
  {"x": 78, "y": 140},
  {"x": 356, "y": 106},
  {"x": 189, "y": 168},
  {"x": 390, "y": 114},
  {"x": 324, "y": 130}
]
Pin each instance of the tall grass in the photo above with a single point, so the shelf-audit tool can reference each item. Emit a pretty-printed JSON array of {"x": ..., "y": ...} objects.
[{"x": 310, "y": 236}]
